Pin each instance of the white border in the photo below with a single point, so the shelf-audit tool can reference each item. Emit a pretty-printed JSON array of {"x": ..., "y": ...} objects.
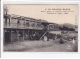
[
  {"x": 0, "y": 29},
  {"x": 36, "y": 54}
]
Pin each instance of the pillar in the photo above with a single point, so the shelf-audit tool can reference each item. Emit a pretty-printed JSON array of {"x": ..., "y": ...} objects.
[
  {"x": 4, "y": 35},
  {"x": 48, "y": 33},
  {"x": 17, "y": 35},
  {"x": 23, "y": 35},
  {"x": 11, "y": 35},
  {"x": 28, "y": 34}
]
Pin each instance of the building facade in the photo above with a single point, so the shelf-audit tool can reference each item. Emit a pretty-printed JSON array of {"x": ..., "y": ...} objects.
[{"x": 20, "y": 28}]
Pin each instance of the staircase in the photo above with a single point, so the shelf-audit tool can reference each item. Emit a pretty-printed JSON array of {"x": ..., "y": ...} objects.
[{"x": 43, "y": 35}]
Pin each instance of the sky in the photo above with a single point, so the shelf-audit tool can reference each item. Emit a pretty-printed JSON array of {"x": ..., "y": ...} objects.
[{"x": 34, "y": 11}]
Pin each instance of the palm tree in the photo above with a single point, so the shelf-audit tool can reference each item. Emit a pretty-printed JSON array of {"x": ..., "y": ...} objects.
[{"x": 5, "y": 10}]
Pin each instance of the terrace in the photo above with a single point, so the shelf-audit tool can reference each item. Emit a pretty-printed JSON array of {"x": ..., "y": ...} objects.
[
  {"x": 20, "y": 22},
  {"x": 21, "y": 26}
]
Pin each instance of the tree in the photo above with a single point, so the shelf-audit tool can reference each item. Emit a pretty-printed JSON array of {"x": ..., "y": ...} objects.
[{"x": 5, "y": 10}]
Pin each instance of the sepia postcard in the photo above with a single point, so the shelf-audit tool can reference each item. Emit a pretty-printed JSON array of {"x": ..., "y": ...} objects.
[{"x": 40, "y": 27}]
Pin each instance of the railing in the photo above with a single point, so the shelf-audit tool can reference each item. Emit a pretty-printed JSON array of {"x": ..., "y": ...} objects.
[{"x": 21, "y": 26}]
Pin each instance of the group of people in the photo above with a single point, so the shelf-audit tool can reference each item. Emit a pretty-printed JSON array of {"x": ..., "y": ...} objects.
[
  {"x": 47, "y": 36},
  {"x": 62, "y": 38},
  {"x": 35, "y": 36}
]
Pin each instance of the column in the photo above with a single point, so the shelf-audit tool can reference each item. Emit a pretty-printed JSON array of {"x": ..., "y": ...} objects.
[
  {"x": 28, "y": 35},
  {"x": 11, "y": 35},
  {"x": 4, "y": 35},
  {"x": 23, "y": 35},
  {"x": 48, "y": 33},
  {"x": 17, "y": 35}
]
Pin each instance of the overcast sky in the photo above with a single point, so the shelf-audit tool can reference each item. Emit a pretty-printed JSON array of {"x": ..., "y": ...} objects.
[{"x": 34, "y": 11}]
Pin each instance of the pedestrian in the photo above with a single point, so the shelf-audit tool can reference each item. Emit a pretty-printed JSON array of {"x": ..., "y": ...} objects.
[
  {"x": 73, "y": 41},
  {"x": 61, "y": 40}
]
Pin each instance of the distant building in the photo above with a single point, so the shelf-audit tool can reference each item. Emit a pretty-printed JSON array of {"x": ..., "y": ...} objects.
[{"x": 76, "y": 29}]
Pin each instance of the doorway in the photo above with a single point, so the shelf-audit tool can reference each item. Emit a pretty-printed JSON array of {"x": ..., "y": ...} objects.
[{"x": 7, "y": 37}]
